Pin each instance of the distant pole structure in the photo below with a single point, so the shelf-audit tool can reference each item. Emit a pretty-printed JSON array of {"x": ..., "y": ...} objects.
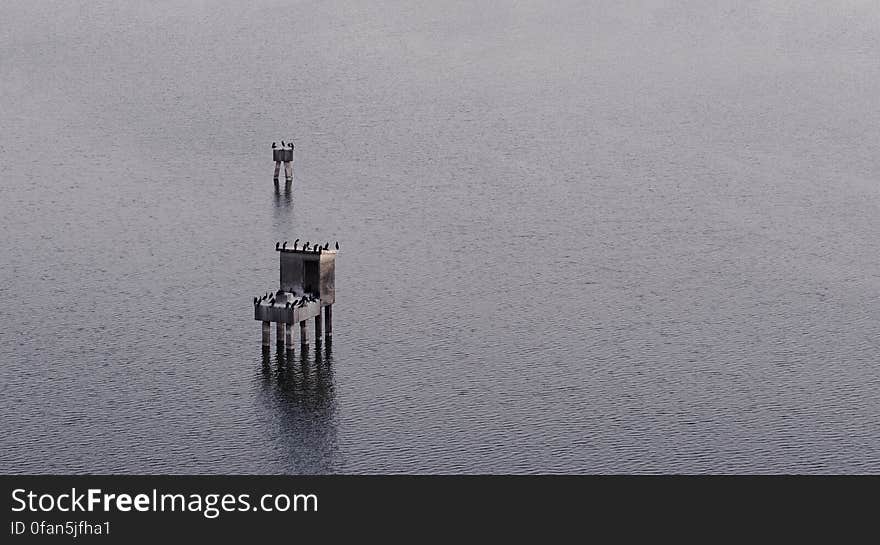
[
  {"x": 283, "y": 154},
  {"x": 308, "y": 287}
]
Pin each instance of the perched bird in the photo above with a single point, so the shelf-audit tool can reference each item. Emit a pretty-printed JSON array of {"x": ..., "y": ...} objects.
[
  {"x": 294, "y": 243},
  {"x": 337, "y": 244},
  {"x": 326, "y": 245},
  {"x": 284, "y": 246},
  {"x": 274, "y": 145},
  {"x": 283, "y": 145},
  {"x": 306, "y": 246},
  {"x": 277, "y": 244}
]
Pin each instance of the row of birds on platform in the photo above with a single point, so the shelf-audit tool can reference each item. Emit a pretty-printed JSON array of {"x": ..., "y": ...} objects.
[
  {"x": 317, "y": 247},
  {"x": 290, "y": 304},
  {"x": 283, "y": 145}
]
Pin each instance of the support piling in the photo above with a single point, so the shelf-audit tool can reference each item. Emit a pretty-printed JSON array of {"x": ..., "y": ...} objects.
[
  {"x": 267, "y": 333},
  {"x": 303, "y": 334},
  {"x": 328, "y": 322}
]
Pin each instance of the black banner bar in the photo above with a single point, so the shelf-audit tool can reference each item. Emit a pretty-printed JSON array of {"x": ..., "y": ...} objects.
[{"x": 244, "y": 507}]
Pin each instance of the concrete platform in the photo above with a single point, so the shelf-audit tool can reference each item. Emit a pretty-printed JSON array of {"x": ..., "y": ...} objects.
[{"x": 280, "y": 313}]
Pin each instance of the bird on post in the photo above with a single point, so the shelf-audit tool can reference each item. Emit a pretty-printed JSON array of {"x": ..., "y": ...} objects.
[
  {"x": 277, "y": 244},
  {"x": 306, "y": 246},
  {"x": 283, "y": 145},
  {"x": 284, "y": 246},
  {"x": 326, "y": 245},
  {"x": 274, "y": 145},
  {"x": 337, "y": 244},
  {"x": 294, "y": 243}
]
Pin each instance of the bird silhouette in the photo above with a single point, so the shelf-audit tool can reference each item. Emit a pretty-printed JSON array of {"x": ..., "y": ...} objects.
[
  {"x": 326, "y": 245},
  {"x": 294, "y": 243},
  {"x": 277, "y": 244},
  {"x": 284, "y": 246},
  {"x": 337, "y": 244},
  {"x": 283, "y": 145},
  {"x": 274, "y": 145},
  {"x": 306, "y": 246}
]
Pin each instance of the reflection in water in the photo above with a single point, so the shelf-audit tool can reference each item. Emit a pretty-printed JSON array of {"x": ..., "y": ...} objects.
[
  {"x": 283, "y": 199},
  {"x": 299, "y": 396}
]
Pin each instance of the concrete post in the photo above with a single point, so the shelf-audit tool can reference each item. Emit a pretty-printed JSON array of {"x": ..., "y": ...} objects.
[
  {"x": 266, "y": 333},
  {"x": 279, "y": 333},
  {"x": 288, "y": 171},
  {"x": 328, "y": 322},
  {"x": 277, "y": 169},
  {"x": 318, "y": 327},
  {"x": 303, "y": 334},
  {"x": 288, "y": 336}
]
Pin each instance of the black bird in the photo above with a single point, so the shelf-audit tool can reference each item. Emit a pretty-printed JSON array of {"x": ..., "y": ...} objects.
[
  {"x": 294, "y": 243},
  {"x": 284, "y": 246},
  {"x": 337, "y": 244},
  {"x": 274, "y": 145},
  {"x": 277, "y": 244},
  {"x": 283, "y": 145},
  {"x": 326, "y": 245},
  {"x": 306, "y": 246},
  {"x": 291, "y": 144}
]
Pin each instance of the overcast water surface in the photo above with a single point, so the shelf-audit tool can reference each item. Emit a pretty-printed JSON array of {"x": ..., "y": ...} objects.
[{"x": 577, "y": 237}]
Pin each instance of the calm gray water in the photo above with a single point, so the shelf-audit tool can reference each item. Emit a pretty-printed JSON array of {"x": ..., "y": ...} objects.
[{"x": 578, "y": 237}]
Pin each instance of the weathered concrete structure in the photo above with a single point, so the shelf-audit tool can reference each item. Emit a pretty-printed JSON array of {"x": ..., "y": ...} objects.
[
  {"x": 284, "y": 155},
  {"x": 308, "y": 285}
]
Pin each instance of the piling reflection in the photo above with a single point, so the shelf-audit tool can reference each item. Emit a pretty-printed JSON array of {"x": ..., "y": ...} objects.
[
  {"x": 283, "y": 195},
  {"x": 301, "y": 399}
]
